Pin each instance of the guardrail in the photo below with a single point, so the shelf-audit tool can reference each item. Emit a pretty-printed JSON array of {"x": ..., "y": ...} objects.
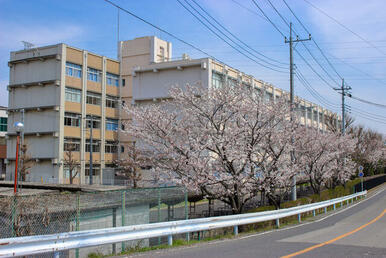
[{"x": 30, "y": 245}]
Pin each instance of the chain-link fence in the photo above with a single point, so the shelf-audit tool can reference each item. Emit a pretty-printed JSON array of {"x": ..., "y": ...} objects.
[{"x": 47, "y": 213}]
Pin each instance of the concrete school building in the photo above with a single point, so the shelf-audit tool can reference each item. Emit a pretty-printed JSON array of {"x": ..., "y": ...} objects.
[{"x": 60, "y": 89}]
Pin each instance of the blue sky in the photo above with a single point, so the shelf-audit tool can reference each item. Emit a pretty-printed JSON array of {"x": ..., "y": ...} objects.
[{"x": 92, "y": 25}]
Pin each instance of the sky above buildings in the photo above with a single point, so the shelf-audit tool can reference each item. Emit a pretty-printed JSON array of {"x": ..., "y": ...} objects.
[{"x": 92, "y": 25}]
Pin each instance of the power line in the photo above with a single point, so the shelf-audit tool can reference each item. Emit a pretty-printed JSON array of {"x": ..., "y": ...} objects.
[
  {"x": 268, "y": 19},
  {"x": 308, "y": 64},
  {"x": 229, "y": 44},
  {"x": 242, "y": 42},
  {"x": 345, "y": 27},
  {"x": 160, "y": 29},
  {"x": 367, "y": 101},
  {"x": 304, "y": 27}
]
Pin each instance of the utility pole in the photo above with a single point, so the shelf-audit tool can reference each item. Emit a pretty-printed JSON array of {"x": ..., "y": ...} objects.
[
  {"x": 291, "y": 41},
  {"x": 90, "y": 166},
  {"x": 344, "y": 91}
]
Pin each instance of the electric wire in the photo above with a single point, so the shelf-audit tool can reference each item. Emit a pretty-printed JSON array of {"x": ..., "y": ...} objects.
[
  {"x": 345, "y": 27},
  {"x": 313, "y": 40},
  {"x": 160, "y": 29},
  {"x": 229, "y": 44},
  {"x": 237, "y": 38},
  {"x": 367, "y": 102},
  {"x": 268, "y": 19}
]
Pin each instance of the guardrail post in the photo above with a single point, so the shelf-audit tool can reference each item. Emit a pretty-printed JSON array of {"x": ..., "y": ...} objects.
[
  {"x": 334, "y": 206},
  {"x": 299, "y": 217},
  {"x": 235, "y": 230},
  {"x": 325, "y": 209},
  {"x": 314, "y": 213},
  {"x": 159, "y": 211},
  {"x": 123, "y": 215},
  {"x": 347, "y": 202},
  {"x": 277, "y": 223},
  {"x": 170, "y": 240},
  {"x": 186, "y": 212},
  {"x": 56, "y": 254}
]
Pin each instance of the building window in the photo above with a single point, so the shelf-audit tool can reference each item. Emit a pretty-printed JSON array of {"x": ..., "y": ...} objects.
[
  {"x": 123, "y": 82},
  {"x": 111, "y": 147},
  {"x": 96, "y": 122},
  {"x": 111, "y": 124},
  {"x": 73, "y": 95},
  {"x": 96, "y": 145},
  {"x": 122, "y": 149},
  {"x": 111, "y": 102},
  {"x": 217, "y": 80},
  {"x": 112, "y": 79},
  {"x": 71, "y": 119},
  {"x": 162, "y": 53},
  {"x": 268, "y": 96},
  {"x": 95, "y": 170},
  {"x": 303, "y": 110},
  {"x": 315, "y": 115},
  {"x": 71, "y": 144},
  {"x": 93, "y": 98},
  {"x": 3, "y": 124},
  {"x": 309, "y": 113},
  {"x": 93, "y": 74},
  {"x": 73, "y": 70},
  {"x": 232, "y": 82}
]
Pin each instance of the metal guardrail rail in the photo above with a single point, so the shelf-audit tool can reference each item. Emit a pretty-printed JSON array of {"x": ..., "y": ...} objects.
[{"x": 29, "y": 245}]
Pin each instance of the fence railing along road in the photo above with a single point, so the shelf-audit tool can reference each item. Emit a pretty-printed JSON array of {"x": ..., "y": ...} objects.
[{"x": 20, "y": 246}]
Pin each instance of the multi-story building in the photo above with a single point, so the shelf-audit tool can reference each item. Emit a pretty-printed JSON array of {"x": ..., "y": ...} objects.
[
  {"x": 59, "y": 89},
  {"x": 151, "y": 80},
  {"x": 3, "y": 141}
]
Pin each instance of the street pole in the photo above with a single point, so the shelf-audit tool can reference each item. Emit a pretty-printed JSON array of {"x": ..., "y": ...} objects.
[
  {"x": 91, "y": 167},
  {"x": 344, "y": 91},
  {"x": 291, "y": 41},
  {"x": 16, "y": 162}
]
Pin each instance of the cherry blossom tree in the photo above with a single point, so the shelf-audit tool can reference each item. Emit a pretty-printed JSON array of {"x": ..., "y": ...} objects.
[
  {"x": 226, "y": 143},
  {"x": 129, "y": 166},
  {"x": 370, "y": 150},
  {"x": 324, "y": 157}
]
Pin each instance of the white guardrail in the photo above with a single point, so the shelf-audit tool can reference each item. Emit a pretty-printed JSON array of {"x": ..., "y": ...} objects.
[{"x": 29, "y": 245}]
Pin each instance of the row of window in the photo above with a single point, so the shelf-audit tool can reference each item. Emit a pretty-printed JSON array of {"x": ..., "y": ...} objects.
[
  {"x": 95, "y": 75},
  {"x": 3, "y": 124},
  {"x": 73, "y": 119},
  {"x": 73, "y": 144},
  {"x": 75, "y": 95},
  {"x": 218, "y": 81}
]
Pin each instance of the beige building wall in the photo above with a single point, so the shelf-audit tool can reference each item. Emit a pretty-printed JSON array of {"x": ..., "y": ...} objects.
[{"x": 38, "y": 82}]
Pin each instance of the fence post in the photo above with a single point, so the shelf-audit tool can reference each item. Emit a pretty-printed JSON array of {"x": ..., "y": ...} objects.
[
  {"x": 77, "y": 219},
  {"x": 114, "y": 225},
  {"x": 123, "y": 214},
  {"x": 235, "y": 230},
  {"x": 186, "y": 211},
  {"x": 13, "y": 215}
]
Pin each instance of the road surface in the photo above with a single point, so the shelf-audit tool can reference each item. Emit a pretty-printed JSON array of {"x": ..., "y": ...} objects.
[{"x": 358, "y": 231}]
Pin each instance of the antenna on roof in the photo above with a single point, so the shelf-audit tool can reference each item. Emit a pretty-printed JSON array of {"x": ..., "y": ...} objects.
[{"x": 27, "y": 45}]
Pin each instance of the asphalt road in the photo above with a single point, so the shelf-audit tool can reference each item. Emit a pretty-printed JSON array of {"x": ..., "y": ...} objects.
[{"x": 357, "y": 231}]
